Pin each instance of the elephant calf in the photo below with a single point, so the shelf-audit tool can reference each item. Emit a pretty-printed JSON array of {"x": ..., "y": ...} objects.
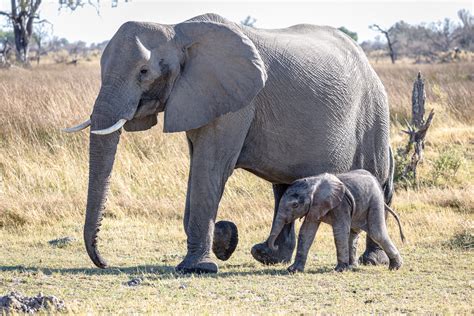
[{"x": 349, "y": 202}]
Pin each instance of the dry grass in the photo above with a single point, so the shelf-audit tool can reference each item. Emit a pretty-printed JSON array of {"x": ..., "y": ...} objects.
[{"x": 43, "y": 182}]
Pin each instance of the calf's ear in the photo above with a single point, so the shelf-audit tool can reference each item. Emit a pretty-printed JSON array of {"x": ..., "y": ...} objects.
[{"x": 327, "y": 193}]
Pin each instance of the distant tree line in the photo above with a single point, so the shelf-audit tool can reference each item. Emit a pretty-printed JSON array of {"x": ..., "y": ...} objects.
[
  {"x": 24, "y": 18},
  {"x": 425, "y": 42},
  {"x": 44, "y": 43}
]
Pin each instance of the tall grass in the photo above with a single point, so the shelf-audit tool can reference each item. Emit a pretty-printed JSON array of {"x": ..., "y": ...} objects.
[
  {"x": 43, "y": 171},
  {"x": 43, "y": 183}
]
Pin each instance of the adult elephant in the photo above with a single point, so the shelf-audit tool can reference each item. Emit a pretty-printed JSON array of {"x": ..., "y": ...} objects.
[{"x": 283, "y": 104}]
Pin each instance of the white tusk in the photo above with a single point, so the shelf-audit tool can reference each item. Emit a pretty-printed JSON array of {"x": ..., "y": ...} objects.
[
  {"x": 111, "y": 129},
  {"x": 77, "y": 128}
]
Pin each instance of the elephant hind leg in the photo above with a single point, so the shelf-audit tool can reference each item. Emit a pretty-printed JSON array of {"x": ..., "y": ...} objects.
[
  {"x": 378, "y": 232},
  {"x": 353, "y": 240},
  {"x": 374, "y": 254},
  {"x": 286, "y": 241},
  {"x": 382, "y": 238}
]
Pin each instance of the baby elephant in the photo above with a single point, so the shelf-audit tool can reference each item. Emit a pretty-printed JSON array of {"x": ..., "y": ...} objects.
[{"x": 349, "y": 202}]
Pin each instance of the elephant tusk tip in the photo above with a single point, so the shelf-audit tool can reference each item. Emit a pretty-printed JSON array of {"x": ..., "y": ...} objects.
[
  {"x": 77, "y": 128},
  {"x": 68, "y": 130},
  {"x": 120, "y": 123}
]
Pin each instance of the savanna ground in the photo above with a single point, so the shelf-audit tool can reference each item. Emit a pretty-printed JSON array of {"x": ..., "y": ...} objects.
[{"x": 43, "y": 182}]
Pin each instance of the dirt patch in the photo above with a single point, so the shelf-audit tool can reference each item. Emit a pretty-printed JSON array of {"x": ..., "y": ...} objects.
[
  {"x": 16, "y": 302},
  {"x": 62, "y": 242}
]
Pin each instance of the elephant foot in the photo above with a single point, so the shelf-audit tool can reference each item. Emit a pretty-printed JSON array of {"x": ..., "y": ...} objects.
[
  {"x": 374, "y": 256},
  {"x": 342, "y": 266},
  {"x": 395, "y": 263},
  {"x": 203, "y": 266},
  {"x": 263, "y": 254},
  {"x": 353, "y": 263},
  {"x": 226, "y": 238},
  {"x": 296, "y": 267}
]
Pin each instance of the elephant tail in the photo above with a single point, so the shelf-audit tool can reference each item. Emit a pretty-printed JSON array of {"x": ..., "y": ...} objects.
[
  {"x": 402, "y": 236},
  {"x": 388, "y": 185}
]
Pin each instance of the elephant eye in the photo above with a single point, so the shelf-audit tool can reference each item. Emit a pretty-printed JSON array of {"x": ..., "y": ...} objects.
[
  {"x": 144, "y": 71},
  {"x": 294, "y": 204}
]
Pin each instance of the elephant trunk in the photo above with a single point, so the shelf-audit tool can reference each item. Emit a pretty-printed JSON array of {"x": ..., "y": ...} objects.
[
  {"x": 101, "y": 160},
  {"x": 277, "y": 227}
]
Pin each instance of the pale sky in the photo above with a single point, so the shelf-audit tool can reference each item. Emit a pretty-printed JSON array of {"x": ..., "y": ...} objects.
[{"x": 84, "y": 23}]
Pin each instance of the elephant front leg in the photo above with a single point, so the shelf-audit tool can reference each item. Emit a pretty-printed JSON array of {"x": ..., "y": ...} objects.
[
  {"x": 205, "y": 189},
  {"x": 341, "y": 233},
  {"x": 204, "y": 193},
  {"x": 286, "y": 241},
  {"x": 305, "y": 240}
]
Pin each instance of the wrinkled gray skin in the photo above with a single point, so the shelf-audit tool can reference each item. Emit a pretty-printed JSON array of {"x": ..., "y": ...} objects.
[
  {"x": 349, "y": 202},
  {"x": 282, "y": 104}
]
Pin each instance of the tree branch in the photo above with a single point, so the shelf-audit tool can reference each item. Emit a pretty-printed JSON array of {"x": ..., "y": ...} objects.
[
  {"x": 35, "y": 6},
  {"x": 6, "y": 14},
  {"x": 378, "y": 28}
]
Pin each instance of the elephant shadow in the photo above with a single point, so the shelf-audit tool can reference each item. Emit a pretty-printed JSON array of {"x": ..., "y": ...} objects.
[
  {"x": 147, "y": 271},
  {"x": 160, "y": 272}
]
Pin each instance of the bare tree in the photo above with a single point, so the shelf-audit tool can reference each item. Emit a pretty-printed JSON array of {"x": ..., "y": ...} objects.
[
  {"x": 248, "y": 21},
  {"x": 443, "y": 34},
  {"x": 41, "y": 32},
  {"x": 390, "y": 42},
  {"x": 466, "y": 37},
  {"x": 418, "y": 128},
  {"x": 24, "y": 13},
  {"x": 467, "y": 19}
]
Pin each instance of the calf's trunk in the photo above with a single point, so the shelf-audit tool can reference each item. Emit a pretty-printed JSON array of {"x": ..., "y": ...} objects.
[{"x": 277, "y": 227}]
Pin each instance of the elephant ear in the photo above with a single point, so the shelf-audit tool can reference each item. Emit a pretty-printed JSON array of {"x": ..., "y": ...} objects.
[
  {"x": 221, "y": 72},
  {"x": 141, "y": 124},
  {"x": 327, "y": 194}
]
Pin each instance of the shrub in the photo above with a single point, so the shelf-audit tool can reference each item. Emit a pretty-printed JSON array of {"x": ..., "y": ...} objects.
[
  {"x": 446, "y": 166},
  {"x": 463, "y": 240},
  {"x": 402, "y": 161}
]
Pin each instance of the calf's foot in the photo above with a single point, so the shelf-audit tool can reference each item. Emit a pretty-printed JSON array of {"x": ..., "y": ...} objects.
[
  {"x": 341, "y": 267},
  {"x": 395, "y": 263},
  {"x": 296, "y": 267},
  {"x": 353, "y": 263},
  {"x": 285, "y": 242},
  {"x": 263, "y": 254}
]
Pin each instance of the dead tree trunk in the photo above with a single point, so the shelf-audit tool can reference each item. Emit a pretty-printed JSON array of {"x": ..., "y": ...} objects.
[
  {"x": 22, "y": 15},
  {"x": 418, "y": 98},
  {"x": 418, "y": 128},
  {"x": 390, "y": 43}
]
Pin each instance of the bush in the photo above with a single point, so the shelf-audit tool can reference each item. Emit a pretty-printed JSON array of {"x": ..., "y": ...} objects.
[
  {"x": 446, "y": 166},
  {"x": 443, "y": 169},
  {"x": 401, "y": 163},
  {"x": 463, "y": 240}
]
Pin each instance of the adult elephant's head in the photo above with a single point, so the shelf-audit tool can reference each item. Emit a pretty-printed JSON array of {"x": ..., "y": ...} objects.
[{"x": 193, "y": 71}]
